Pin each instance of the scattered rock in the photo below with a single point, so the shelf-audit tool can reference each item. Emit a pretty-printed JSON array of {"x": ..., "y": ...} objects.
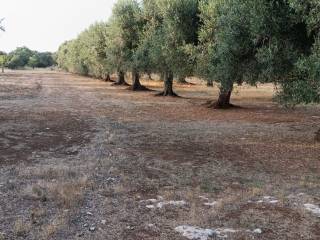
[
  {"x": 130, "y": 227},
  {"x": 150, "y": 201},
  {"x": 195, "y": 233},
  {"x": 266, "y": 199},
  {"x": 160, "y": 203},
  {"x": 223, "y": 232},
  {"x": 207, "y": 201},
  {"x": 173, "y": 203},
  {"x": 210, "y": 204},
  {"x": 257, "y": 231},
  {"x": 204, "y": 198},
  {"x": 104, "y": 222},
  {"x": 92, "y": 229},
  {"x": 89, "y": 213},
  {"x": 313, "y": 208}
]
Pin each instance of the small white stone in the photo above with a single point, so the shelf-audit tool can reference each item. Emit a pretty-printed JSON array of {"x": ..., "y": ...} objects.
[
  {"x": 92, "y": 229},
  {"x": 150, "y": 206},
  {"x": 194, "y": 233},
  {"x": 89, "y": 213},
  {"x": 210, "y": 204},
  {"x": 204, "y": 198},
  {"x": 257, "y": 231},
  {"x": 313, "y": 208},
  {"x": 104, "y": 222}
]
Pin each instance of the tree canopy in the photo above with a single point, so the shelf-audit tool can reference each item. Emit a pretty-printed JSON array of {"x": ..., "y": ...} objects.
[
  {"x": 24, "y": 57},
  {"x": 229, "y": 42}
]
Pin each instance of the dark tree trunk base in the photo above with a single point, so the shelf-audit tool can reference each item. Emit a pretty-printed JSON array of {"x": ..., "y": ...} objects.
[
  {"x": 140, "y": 88},
  {"x": 168, "y": 86},
  {"x": 120, "y": 84},
  {"x": 108, "y": 79},
  {"x": 167, "y": 94},
  {"x": 136, "y": 85},
  {"x": 223, "y": 101},
  {"x": 217, "y": 105},
  {"x": 121, "y": 80},
  {"x": 317, "y": 137},
  {"x": 209, "y": 84}
]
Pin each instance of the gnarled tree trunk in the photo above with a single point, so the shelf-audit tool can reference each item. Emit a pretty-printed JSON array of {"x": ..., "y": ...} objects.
[
  {"x": 168, "y": 86},
  {"x": 108, "y": 78},
  {"x": 121, "y": 79},
  {"x": 136, "y": 85},
  {"x": 209, "y": 83},
  {"x": 223, "y": 101}
]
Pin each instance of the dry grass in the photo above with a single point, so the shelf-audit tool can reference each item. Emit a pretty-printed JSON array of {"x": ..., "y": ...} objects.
[
  {"x": 71, "y": 135},
  {"x": 21, "y": 228}
]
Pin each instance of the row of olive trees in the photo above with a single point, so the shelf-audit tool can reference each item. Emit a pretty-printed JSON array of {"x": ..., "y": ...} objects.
[{"x": 224, "y": 41}]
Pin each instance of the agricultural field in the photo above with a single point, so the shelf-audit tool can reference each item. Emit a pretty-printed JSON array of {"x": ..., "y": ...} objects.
[{"x": 83, "y": 159}]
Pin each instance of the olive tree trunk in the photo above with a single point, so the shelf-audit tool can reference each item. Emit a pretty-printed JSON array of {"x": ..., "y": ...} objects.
[
  {"x": 209, "y": 83},
  {"x": 223, "y": 101},
  {"x": 108, "y": 78},
  {"x": 136, "y": 85},
  {"x": 168, "y": 86},
  {"x": 121, "y": 80}
]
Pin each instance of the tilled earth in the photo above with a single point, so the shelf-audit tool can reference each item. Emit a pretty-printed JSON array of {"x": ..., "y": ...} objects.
[{"x": 81, "y": 159}]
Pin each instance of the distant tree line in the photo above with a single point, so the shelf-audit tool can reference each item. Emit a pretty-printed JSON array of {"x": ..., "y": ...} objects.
[
  {"x": 224, "y": 41},
  {"x": 1, "y": 26},
  {"x": 24, "y": 57}
]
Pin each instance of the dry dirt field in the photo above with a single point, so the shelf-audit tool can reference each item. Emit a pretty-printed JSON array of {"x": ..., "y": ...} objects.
[{"x": 81, "y": 159}]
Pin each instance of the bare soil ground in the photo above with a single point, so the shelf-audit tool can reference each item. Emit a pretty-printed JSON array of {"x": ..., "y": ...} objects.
[{"x": 81, "y": 159}]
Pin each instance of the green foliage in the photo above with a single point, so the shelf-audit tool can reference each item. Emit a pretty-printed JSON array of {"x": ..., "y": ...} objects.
[
  {"x": 23, "y": 57},
  {"x": 229, "y": 41},
  {"x": 125, "y": 28},
  {"x": 33, "y": 61},
  {"x": 3, "y": 60},
  {"x": 171, "y": 34},
  {"x": 257, "y": 41},
  {"x": 86, "y": 55},
  {"x": 304, "y": 84}
]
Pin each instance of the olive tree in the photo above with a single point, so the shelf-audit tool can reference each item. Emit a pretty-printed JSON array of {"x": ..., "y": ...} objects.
[
  {"x": 3, "y": 59},
  {"x": 242, "y": 43},
  {"x": 127, "y": 25},
  {"x": 170, "y": 34}
]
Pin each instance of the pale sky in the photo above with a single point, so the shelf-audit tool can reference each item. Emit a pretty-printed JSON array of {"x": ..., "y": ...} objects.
[{"x": 44, "y": 24}]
